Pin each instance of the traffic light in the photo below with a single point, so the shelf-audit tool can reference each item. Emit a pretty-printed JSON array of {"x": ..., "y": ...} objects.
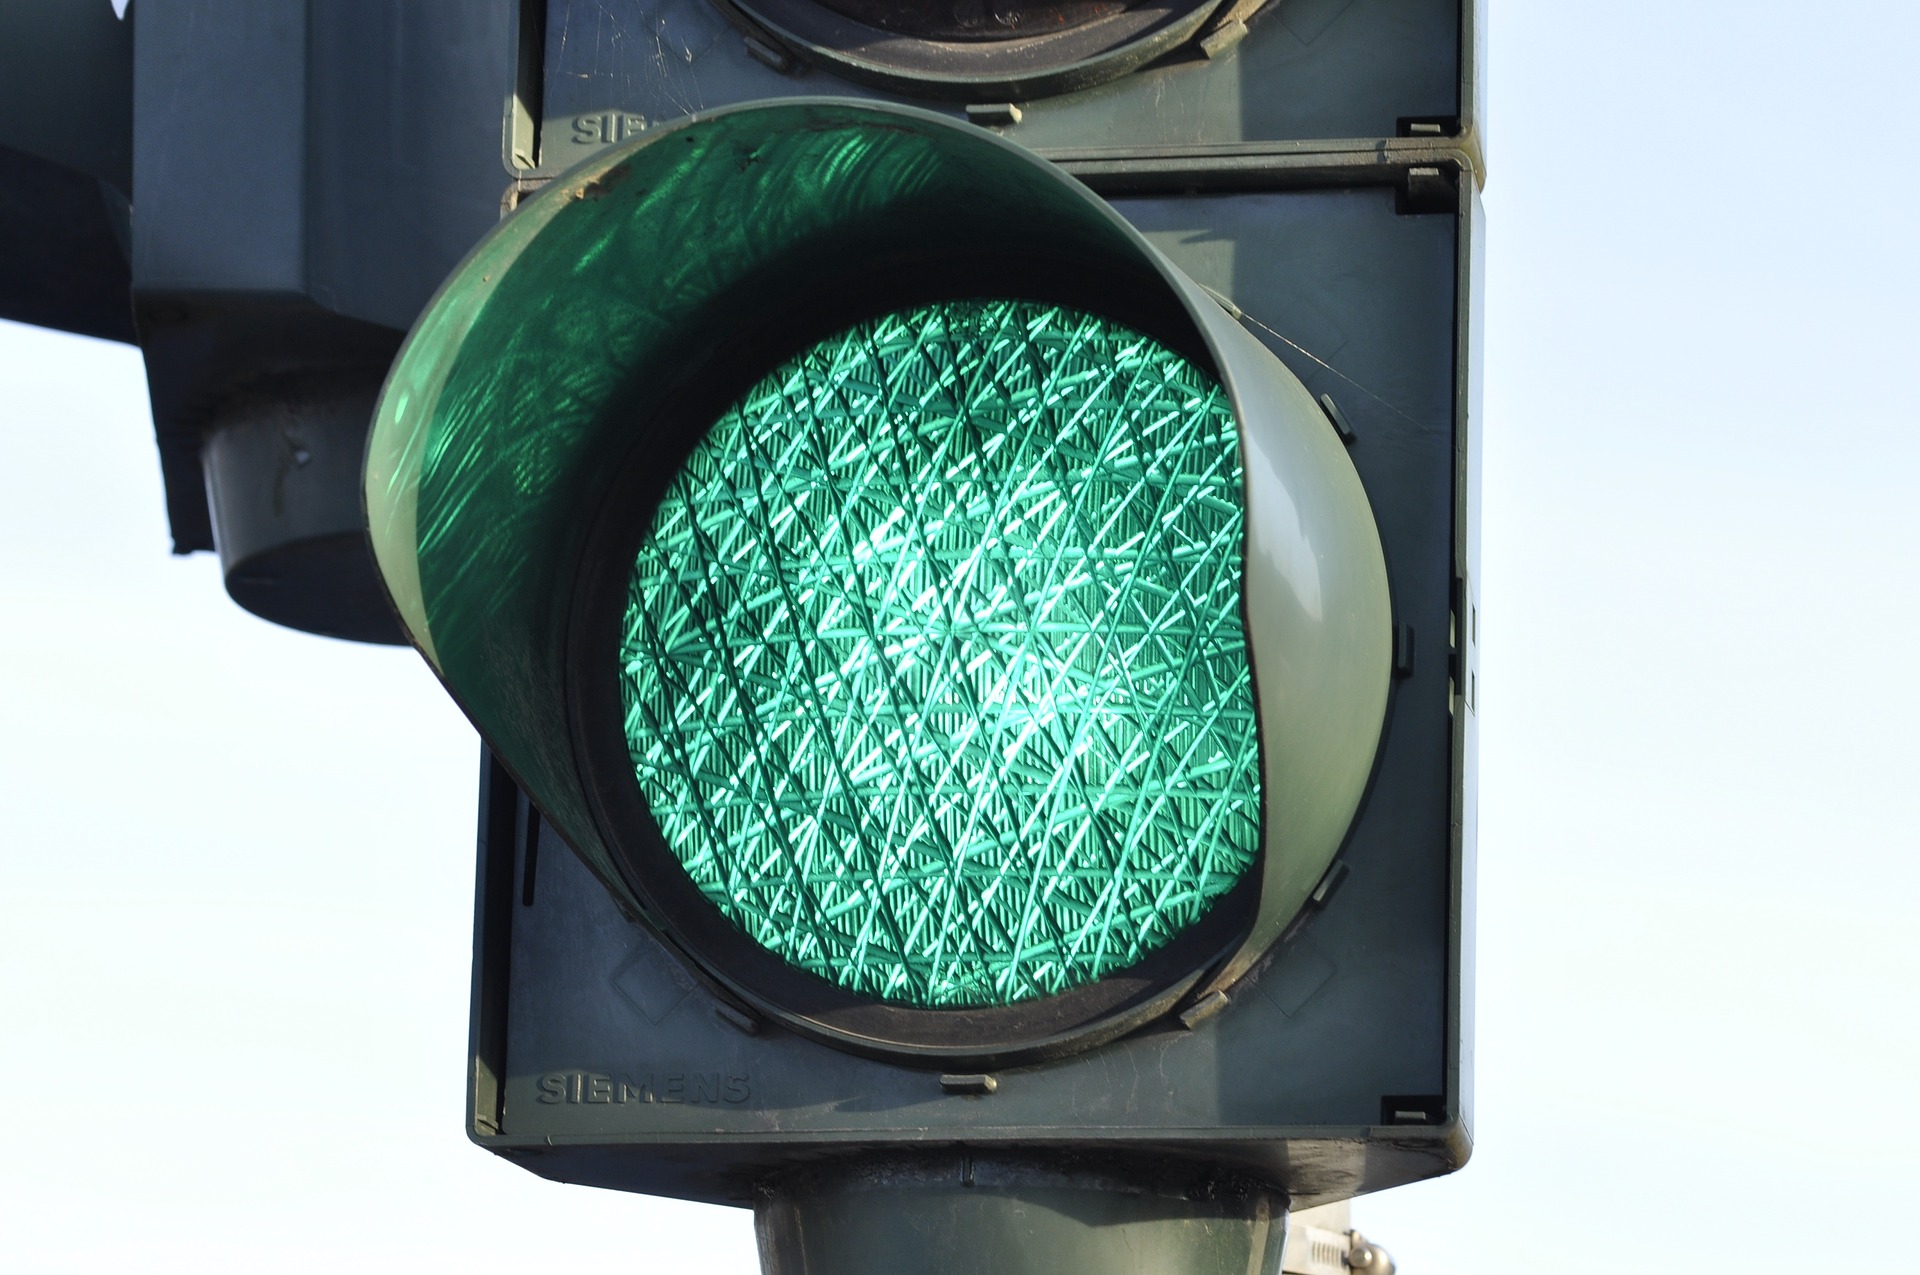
[
  {"x": 1003, "y": 655},
  {"x": 955, "y": 522},
  {"x": 958, "y": 653}
]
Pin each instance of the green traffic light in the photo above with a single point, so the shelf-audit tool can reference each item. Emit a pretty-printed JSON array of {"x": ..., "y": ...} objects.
[
  {"x": 933, "y": 664},
  {"x": 914, "y": 743}
]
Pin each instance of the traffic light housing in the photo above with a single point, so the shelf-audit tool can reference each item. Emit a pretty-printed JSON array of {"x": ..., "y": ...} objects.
[
  {"x": 1296, "y": 179},
  {"x": 638, "y": 1030}
]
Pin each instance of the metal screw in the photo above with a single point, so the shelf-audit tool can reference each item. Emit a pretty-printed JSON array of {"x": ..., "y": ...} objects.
[{"x": 1363, "y": 1256}]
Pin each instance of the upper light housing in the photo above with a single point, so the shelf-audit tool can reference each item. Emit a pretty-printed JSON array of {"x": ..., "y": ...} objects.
[{"x": 1017, "y": 49}]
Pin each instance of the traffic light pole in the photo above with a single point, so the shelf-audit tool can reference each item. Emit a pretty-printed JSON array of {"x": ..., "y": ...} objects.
[{"x": 958, "y": 1214}]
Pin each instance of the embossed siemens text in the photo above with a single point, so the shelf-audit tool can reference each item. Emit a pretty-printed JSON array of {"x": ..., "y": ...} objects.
[{"x": 713, "y": 1087}]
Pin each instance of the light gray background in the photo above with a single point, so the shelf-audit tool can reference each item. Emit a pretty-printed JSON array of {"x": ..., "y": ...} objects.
[{"x": 236, "y": 865}]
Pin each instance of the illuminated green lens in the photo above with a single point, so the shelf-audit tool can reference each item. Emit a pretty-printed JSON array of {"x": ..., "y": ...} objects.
[{"x": 933, "y": 667}]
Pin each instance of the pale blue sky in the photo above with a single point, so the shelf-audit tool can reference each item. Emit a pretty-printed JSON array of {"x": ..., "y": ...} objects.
[{"x": 235, "y": 915}]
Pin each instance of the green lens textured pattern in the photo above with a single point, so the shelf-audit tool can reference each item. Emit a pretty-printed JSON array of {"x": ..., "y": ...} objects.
[{"x": 933, "y": 666}]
